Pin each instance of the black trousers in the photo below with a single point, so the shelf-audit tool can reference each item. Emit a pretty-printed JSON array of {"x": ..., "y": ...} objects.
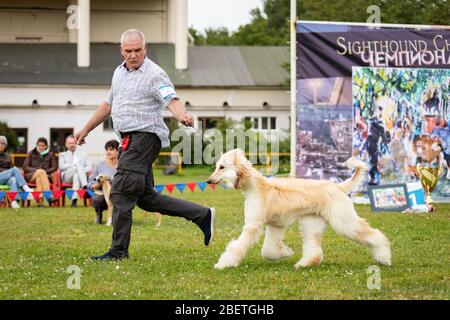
[
  {"x": 133, "y": 185},
  {"x": 99, "y": 203}
]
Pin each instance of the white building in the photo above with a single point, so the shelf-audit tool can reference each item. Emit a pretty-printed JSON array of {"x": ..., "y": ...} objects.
[{"x": 53, "y": 76}]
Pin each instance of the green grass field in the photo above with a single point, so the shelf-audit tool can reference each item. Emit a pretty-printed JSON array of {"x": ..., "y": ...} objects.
[{"x": 170, "y": 262}]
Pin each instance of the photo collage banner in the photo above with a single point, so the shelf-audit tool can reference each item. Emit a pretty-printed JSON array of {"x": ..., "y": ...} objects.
[{"x": 381, "y": 94}]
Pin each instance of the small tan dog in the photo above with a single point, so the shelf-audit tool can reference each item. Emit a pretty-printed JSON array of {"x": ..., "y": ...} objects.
[
  {"x": 277, "y": 203},
  {"x": 104, "y": 182}
]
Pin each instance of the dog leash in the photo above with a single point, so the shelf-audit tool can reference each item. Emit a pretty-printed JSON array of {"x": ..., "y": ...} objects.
[{"x": 202, "y": 135}]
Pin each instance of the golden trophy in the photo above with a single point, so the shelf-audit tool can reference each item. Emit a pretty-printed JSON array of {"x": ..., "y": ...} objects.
[{"x": 429, "y": 177}]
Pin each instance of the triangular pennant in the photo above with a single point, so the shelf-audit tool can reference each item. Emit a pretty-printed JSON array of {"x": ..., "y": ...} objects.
[
  {"x": 69, "y": 193},
  {"x": 47, "y": 195},
  {"x": 81, "y": 193},
  {"x": 90, "y": 193},
  {"x": 191, "y": 186},
  {"x": 212, "y": 186},
  {"x": 11, "y": 195},
  {"x": 23, "y": 195},
  {"x": 159, "y": 188},
  {"x": 36, "y": 195},
  {"x": 181, "y": 186},
  {"x": 170, "y": 187},
  {"x": 58, "y": 193},
  {"x": 201, "y": 185},
  {"x": 2, "y": 195}
]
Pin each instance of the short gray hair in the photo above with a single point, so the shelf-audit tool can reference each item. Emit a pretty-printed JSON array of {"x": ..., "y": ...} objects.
[
  {"x": 132, "y": 34},
  {"x": 4, "y": 140}
]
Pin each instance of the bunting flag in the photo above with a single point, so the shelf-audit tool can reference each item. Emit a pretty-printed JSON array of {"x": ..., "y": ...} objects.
[
  {"x": 201, "y": 185},
  {"x": 81, "y": 193},
  {"x": 58, "y": 193},
  {"x": 11, "y": 195},
  {"x": 23, "y": 195},
  {"x": 47, "y": 195},
  {"x": 170, "y": 187},
  {"x": 36, "y": 195},
  {"x": 87, "y": 192},
  {"x": 180, "y": 186},
  {"x": 191, "y": 186},
  {"x": 69, "y": 193},
  {"x": 90, "y": 193}
]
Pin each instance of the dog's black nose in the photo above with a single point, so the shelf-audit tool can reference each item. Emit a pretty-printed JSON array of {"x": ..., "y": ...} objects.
[{"x": 208, "y": 181}]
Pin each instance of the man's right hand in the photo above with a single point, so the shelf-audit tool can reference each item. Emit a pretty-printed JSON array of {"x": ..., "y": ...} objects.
[
  {"x": 79, "y": 136},
  {"x": 187, "y": 120}
]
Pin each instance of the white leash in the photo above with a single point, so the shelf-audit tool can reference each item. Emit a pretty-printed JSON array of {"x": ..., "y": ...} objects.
[{"x": 202, "y": 135}]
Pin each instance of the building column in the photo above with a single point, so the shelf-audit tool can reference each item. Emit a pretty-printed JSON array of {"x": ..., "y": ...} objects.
[
  {"x": 181, "y": 31},
  {"x": 171, "y": 21},
  {"x": 83, "y": 44}
]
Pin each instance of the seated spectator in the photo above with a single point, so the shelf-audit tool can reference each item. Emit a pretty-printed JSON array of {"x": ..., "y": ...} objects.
[
  {"x": 74, "y": 167},
  {"x": 108, "y": 167},
  {"x": 39, "y": 166},
  {"x": 9, "y": 174}
]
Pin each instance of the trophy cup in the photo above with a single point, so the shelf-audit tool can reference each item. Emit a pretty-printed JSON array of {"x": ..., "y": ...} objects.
[
  {"x": 429, "y": 177},
  {"x": 428, "y": 150}
]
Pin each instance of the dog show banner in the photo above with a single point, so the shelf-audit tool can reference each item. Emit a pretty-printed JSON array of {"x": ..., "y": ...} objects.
[{"x": 379, "y": 93}]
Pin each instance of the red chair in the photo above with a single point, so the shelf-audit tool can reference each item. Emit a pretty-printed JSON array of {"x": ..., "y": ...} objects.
[
  {"x": 53, "y": 186},
  {"x": 65, "y": 185},
  {"x": 4, "y": 203}
]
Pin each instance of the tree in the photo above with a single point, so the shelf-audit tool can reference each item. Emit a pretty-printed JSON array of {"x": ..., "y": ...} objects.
[
  {"x": 199, "y": 39},
  {"x": 392, "y": 11},
  {"x": 258, "y": 32},
  {"x": 218, "y": 37},
  {"x": 271, "y": 27},
  {"x": 10, "y": 134}
]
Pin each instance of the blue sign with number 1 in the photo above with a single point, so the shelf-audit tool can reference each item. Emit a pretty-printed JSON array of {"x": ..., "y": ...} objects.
[{"x": 416, "y": 195}]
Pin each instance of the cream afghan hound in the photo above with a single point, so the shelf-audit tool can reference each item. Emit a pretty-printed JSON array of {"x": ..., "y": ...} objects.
[{"x": 277, "y": 203}]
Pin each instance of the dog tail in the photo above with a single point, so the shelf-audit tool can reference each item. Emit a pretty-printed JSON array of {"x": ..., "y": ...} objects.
[{"x": 358, "y": 176}]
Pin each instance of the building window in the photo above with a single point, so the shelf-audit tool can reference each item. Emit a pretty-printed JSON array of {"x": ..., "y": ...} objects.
[
  {"x": 268, "y": 123},
  {"x": 254, "y": 121},
  {"x": 22, "y": 138},
  {"x": 273, "y": 122},
  {"x": 58, "y": 138},
  {"x": 108, "y": 125},
  {"x": 208, "y": 122},
  {"x": 265, "y": 123}
]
